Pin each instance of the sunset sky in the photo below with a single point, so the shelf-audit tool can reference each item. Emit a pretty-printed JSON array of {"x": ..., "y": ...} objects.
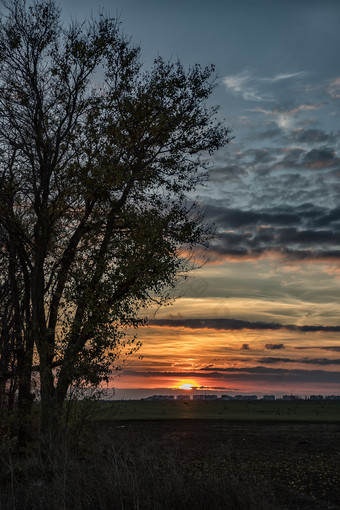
[{"x": 263, "y": 315}]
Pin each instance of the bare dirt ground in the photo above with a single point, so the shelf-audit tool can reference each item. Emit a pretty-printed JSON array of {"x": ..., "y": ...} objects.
[{"x": 295, "y": 466}]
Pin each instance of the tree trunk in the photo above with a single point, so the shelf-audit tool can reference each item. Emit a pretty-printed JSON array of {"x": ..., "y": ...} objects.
[
  {"x": 49, "y": 416},
  {"x": 25, "y": 396}
]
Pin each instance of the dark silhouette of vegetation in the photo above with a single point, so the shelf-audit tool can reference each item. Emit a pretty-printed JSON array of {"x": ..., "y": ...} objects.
[
  {"x": 94, "y": 206},
  {"x": 176, "y": 464}
]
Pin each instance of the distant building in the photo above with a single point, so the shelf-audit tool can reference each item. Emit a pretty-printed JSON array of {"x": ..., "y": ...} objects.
[
  {"x": 248, "y": 398},
  {"x": 204, "y": 397},
  {"x": 183, "y": 397},
  {"x": 160, "y": 397},
  {"x": 245, "y": 397}
]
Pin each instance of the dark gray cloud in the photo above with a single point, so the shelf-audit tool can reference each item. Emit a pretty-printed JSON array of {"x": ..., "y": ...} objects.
[
  {"x": 270, "y": 361},
  {"x": 256, "y": 374},
  {"x": 320, "y": 158},
  {"x": 305, "y": 215},
  {"x": 302, "y": 232},
  {"x": 270, "y": 374},
  {"x": 237, "y": 324},
  {"x": 307, "y": 361},
  {"x": 332, "y": 348},
  {"x": 285, "y": 254},
  {"x": 279, "y": 199},
  {"x": 229, "y": 172},
  {"x": 308, "y": 156},
  {"x": 214, "y": 388},
  {"x": 275, "y": 347},
  {"x": 312, "y": 136},
  {"x": 229, "y": 218},
  {"x": 284, "y": 236},
  {"x": 331, "y": 216}
]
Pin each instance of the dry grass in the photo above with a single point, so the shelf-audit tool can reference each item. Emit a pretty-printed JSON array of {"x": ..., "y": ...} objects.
[
  {"x": 173, "y": 465},
  {"x": 98, "y": 472}
]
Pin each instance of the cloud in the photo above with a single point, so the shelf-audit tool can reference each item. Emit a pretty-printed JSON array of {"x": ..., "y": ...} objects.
[
  {"x": 333, "y": 348},
  {"x": 271, "y": 375},
  {"x": 236, "y": 218},
  {"x": 303, "y": 232},
  {"x": 254, "y": 375},
  {"x": 282, "y": 255},
  {"x": 311, "y": 136},
  {"x": 236, "y": 82},
  {"x": 269, "y": 361},
  {"x": 237, "y": 325},
  {"x": 308, "y": 361},
  {"x": 217, "y": 388},
  {"x": 274, "y": 347},
  {"x": 267, "y": 133},
  {"x": 285, "y": 142},
  {"x": 286, "y": 76},
  {"x": 320, "y": 158},
  {"x": 300, "y": 108},
  {"x": 334, "y": 88},
  {"x": 253, "y": 88},
  {"x": 328, "y": 217},
  {"x": 286, "y": 236},
  {"x": 285, "y": 117},
  {"x": 252, "y": 246},
  {"x": 240, "y": 84}
]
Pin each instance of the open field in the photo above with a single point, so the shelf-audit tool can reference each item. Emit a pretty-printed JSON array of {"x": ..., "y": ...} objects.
[
  {"x": 277, "y": 466},
  {"x": 278, "y": 411},
  {"x": 158, "y": 455}
]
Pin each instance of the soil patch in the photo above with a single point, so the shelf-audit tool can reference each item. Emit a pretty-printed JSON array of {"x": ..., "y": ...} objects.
[{"x": 296, "y": 465}]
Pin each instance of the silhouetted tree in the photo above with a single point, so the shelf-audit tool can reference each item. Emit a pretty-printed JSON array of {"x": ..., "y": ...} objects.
[
  {"x": 15, "y": 352},
  {"x": 8, "y": 365},
  {"x": 94, "y": 184}
]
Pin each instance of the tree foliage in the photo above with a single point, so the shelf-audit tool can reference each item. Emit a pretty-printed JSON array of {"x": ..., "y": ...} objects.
[{"x": 94, "y": 189}]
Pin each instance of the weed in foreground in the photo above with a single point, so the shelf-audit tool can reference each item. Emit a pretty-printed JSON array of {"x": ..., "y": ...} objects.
[{"x": 96, "y": 471}]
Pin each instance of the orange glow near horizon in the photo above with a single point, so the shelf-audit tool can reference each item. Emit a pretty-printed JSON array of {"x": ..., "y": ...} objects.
[{"x": 176, "y": 357}]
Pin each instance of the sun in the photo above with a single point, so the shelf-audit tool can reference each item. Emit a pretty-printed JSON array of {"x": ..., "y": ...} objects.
[{"x": 187, "y": 386}]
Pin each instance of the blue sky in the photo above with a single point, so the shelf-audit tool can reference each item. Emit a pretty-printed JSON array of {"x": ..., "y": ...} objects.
[{"x": 273, "y": 196}]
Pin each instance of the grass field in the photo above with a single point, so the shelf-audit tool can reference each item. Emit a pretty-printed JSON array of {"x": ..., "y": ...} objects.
[
  {"x": 173, "y": 455},
  {"x": 278, "y": 411}
]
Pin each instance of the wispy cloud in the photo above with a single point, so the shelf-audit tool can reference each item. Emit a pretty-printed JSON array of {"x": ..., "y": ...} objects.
[
  {"x": 285, "y": 76},
  {"x": 333, "y": 88},
  {"x": 284, "y": 117},
  {"x": 241, "y": 84},
  {"x": 254, "y": 88}
]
